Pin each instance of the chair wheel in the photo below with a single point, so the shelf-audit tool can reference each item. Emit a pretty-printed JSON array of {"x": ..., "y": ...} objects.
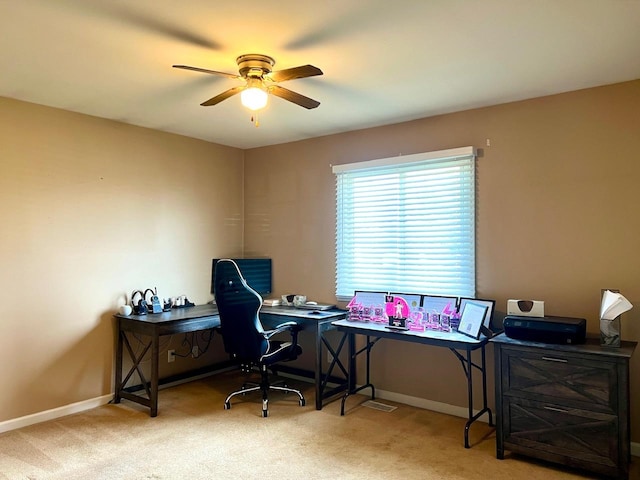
[{"x": 227, "y": 406}]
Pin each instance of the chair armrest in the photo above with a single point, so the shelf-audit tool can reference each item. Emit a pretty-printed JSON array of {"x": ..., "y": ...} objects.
[{"x": 283, "y": 327}]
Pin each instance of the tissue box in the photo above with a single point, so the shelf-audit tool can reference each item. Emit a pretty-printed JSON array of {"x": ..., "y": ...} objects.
[{"x": 526, "y": 308}]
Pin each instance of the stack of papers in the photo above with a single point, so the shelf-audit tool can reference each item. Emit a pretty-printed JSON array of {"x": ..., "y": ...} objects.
[{"x": 271, "y": 302}]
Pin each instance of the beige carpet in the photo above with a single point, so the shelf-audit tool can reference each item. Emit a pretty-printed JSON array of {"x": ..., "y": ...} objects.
[{"x": 193, "y": 437}]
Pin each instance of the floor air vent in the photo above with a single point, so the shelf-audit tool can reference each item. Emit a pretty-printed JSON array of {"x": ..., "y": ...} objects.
[{"x": 378, "y": 406}]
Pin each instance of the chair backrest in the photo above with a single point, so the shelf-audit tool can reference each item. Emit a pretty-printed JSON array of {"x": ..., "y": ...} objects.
[{"x": 238, "y": 307}]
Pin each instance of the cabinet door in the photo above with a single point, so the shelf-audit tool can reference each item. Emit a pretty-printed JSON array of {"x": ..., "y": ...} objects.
[
  {"x": 557, "y": 432},
  {"x": 561, "y": 378}
]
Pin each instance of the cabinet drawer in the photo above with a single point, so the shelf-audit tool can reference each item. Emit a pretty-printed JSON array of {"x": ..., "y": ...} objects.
[
  {"x": 561, "y": 378},
  {"x": 561, "y": 433}
]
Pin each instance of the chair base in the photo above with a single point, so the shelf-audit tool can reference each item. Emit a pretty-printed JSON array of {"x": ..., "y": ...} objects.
[{"x": 264, "y": 386}]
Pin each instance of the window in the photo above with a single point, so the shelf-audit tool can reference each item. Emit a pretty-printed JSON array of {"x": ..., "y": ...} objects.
[{"x": 407, "y": 224}]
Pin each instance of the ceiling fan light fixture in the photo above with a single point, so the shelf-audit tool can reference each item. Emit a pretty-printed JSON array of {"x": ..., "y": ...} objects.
[
  {"x": 261, "y": 82},
  {"x": 254, "y": 96}
]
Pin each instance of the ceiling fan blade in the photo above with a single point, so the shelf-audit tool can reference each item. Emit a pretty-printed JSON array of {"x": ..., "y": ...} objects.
[
  {"x": 223, "y": 96},
  {"x": 130, "y": 14},
  {"x": 204, "y": 70},
  {"x": 294, "y": 97},
  {"x": 295, "y": 72}
]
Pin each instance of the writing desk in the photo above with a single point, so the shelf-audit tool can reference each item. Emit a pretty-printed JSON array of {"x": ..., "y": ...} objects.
[
  {"x": 454, "y": 341},
  {"x": 203, "y": 317},
  {"x": 153, "y": 326}
]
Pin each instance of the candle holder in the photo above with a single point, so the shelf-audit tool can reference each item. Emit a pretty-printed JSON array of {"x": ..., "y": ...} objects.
[{"x": 610, "y": 332}]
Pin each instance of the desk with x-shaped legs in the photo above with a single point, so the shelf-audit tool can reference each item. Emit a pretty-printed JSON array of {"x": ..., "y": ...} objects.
[{"x": 149, "y": 328}]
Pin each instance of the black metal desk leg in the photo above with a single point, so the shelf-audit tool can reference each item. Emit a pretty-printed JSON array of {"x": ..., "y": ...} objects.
[
  {"x": 155, "y": 366},
  {"x": 318, "y": 368},
  {"x": 485, "y": 408},
  {"x": 351, "y": 376},
  {"x": 352, "y": 369},
  {"x": 352, "y": 362},
  {"x": 484, "y": 387},
  {"x": 118, "y": 377},
  {"x": 470, "y": 399}
]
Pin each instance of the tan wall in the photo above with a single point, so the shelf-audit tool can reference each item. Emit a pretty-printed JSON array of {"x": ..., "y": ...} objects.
[
  {"x": 91, "y": 210},
  {"x": 557, "y": 215}
]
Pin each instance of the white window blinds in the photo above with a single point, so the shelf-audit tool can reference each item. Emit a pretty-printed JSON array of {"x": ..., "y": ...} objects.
[{"x": 407, "y": 224}]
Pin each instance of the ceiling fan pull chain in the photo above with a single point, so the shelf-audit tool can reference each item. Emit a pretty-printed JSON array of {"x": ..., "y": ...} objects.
[{"x": 254, "y": 120}]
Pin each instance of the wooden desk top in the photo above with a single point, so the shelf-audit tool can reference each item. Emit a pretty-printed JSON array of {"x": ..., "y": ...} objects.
[{"x": 175, "y": 314}]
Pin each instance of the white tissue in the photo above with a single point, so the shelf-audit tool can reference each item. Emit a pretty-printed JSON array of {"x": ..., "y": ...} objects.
[{"x": 613, "y": 305}]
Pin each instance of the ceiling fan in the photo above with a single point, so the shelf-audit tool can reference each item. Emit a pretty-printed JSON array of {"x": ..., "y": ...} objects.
[{"x": 260, "y": 80}]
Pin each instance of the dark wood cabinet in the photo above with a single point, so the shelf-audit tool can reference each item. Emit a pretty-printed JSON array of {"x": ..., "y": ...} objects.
[{"x": 567, "y": 404}]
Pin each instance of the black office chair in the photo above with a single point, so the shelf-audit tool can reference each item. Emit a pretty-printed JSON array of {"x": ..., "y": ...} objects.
[{"x": 243, "y": 336}]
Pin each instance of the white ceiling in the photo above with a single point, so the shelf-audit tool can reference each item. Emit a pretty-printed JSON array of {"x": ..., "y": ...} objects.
[{"x": 383, "y": 61}]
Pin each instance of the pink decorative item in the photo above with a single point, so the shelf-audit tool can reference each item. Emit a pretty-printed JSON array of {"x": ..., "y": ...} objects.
[{"x": 397, "y": 307}]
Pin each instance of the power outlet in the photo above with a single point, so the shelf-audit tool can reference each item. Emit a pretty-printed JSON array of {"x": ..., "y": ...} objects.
[
  {"x": 195, "y": 351},
  {"x": 171, "y": 356}
]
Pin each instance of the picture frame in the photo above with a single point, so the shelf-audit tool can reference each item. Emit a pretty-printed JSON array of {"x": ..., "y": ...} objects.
[
  {"x": 369, "y": 297},
  {"x": 415, "y": 315},
  {"x": 472, "y": 319},
  {"x": 437, "y": 303},
  {"x": 414, "y": 301},
  {"x": 489, "y": 303},
  {"x": 367, "y": 306}
]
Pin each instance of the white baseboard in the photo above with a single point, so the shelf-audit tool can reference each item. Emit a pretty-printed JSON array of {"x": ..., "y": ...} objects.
[
  {"x": 452, "y": 410},
  {"x": 428, "y": 404},
  {"x": 77, "y": 407},
  {"x": 54, "y": 413}
]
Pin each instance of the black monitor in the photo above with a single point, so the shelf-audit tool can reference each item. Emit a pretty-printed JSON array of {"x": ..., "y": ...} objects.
[{"x": 256, "y": 272}]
